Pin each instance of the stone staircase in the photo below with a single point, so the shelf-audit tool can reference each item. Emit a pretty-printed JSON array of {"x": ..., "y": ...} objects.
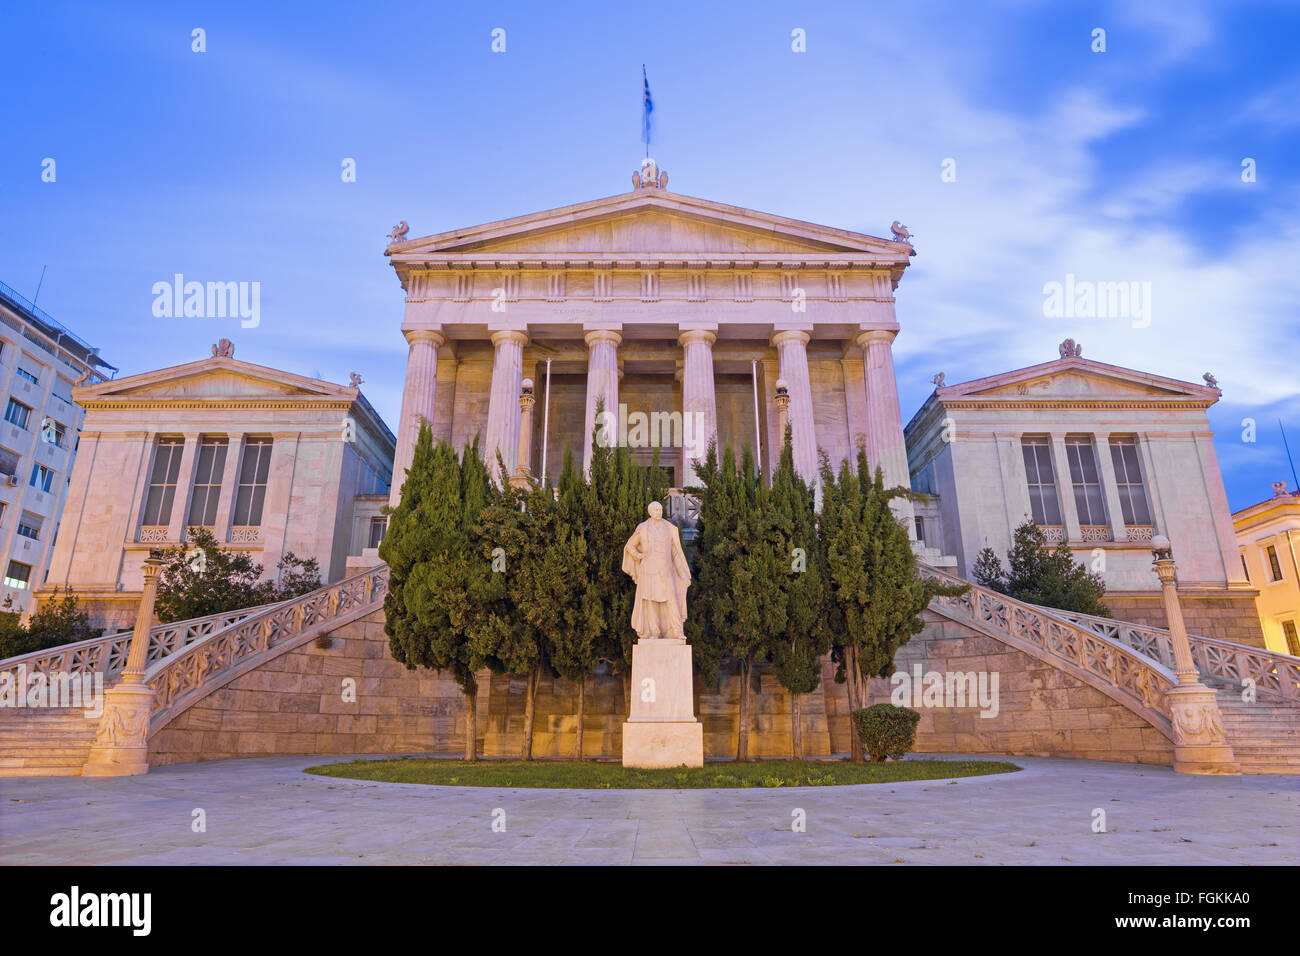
[
  {"x": 45, "y": 742},
  {"x": 1265, "y": 736}
]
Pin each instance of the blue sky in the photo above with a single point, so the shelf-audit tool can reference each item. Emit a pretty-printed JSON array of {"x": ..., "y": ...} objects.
[{"x": 1122, "y": 166}]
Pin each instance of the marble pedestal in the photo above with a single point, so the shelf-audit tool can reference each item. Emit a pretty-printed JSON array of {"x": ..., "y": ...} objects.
[
  {"x": 121, "y": 747},
  {"x": 662, "y": 730},
  {"x": 1200, "y": 745}
]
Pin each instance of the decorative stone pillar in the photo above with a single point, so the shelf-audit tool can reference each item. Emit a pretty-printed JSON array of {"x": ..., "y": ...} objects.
[
  {"x": 523, "y": 469},
  {"x": 419, "y": 396},
  {"x": 503, "y": 401},
  {"x": 180, "y": 515},
  {"x": 1065, "y": 488},
  {"x": 121, "y": 747},
  {"x": 602, "y": 387},
  {"x": 792, "y": 359},
  {"x": 782, "y": 418},
  {"x": 1200, "y": 745},
  {"x": 699, "y": 400},
  {"x": 1109, "y": 486}
]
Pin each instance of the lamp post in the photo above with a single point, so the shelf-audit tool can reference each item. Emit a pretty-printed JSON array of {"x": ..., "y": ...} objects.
[
  {"x": 121, "y": 747},
  {"x": 1200, "y": 745},
  {"x": 523, "y": 470},
  {"x": 782, "y": 414}
]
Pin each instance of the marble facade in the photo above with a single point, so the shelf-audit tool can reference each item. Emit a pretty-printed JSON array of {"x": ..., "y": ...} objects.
[
  {"x": 669, "y": 311},
  {"x": 325, "y": 475},
  {"x": 1124, "y": 455}
]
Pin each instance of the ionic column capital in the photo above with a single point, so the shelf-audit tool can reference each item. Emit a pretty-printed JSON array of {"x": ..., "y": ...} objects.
[
  {"x": 429, "y": 336},
  {"x": 791, "y": 335},
  {"x": 693, "y": 336},
  {"x": 508, "y": 336},
  {"x": 603, "y": 335},
  {"x": 864, "y": 339}
]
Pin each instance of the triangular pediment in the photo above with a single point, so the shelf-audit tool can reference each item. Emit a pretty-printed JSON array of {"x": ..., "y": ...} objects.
[
  {"x": 1077, "y": 379},
  {"x": 215, "y": 379},
  {"x": 651, "y": 222}
]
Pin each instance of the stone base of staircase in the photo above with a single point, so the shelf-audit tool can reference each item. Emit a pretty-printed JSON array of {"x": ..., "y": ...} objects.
[
  {"x": 1265, "y": 735},
  {"x": 44, "y": 742}
]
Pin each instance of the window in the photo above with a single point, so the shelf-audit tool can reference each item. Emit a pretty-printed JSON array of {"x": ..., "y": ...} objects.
[
  {"x": 3, "y": 506},
  {"x": 1292, "y": 639},
  {"x": 252, "y": 482},
  {"x": 1128, "y": 477},
  {"x": 42, "y": 477},
  {"x": 920, "y": 529},
  {"x": 207, "y": 482},
  {"x": 1245, "y": 568},
  {"x": 1274, "y": 565},
  {"x": 1043, "y": 502},
  {"x": 8, "y": 462},
  {"x": 29, "y": 526},
  {"x": 17, "y": 413},
  {"x": 1088, "y": 498},
  {"x": 54, "y": 433},
  {"x": 378, "y": 528},
  {"x": 162, "y": 482},
  {"x": 18, "y": 575},
  {"x": 23, "y": 373}
]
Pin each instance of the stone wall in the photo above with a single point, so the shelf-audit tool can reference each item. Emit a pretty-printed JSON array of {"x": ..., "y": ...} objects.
[
  {"x": 1226, "y": 616},
  {"x": 294, "y": 705}
]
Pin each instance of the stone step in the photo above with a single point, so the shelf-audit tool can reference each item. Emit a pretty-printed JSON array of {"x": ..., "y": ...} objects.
[
  {"x": 41, "y": 771},
  {"x": 15, "y": 753},
  {"x": 43, "y": 760}
]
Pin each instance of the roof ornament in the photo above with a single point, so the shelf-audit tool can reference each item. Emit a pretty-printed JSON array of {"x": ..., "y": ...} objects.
[
  {"x": 649, "y": 176},
  {"x": 399, "y": 232},
  {"x": 1211, "y": 381},
  {"x": 900, "y": 232},
  {"x": 937, "y": 381},
  {"x": 354, "y": 379},
  {"x": 224, "y": 349},
  {"x": 1279, "y": 489},
  {"x": 1069, "y": 350}
]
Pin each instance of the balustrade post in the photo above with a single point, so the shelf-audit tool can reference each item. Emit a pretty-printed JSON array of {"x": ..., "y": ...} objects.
[
  {"x": 1200, "y": 745},
  {"x": 121, "y": 747}
]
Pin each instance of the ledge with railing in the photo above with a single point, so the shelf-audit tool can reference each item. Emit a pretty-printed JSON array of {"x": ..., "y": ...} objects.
[
  {"x": 1276, "y": 675},
  {"x": 194, "y": 671},
  {"x": 1135, "y": 679}
]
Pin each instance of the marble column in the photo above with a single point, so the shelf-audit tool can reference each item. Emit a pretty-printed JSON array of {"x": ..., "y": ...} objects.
[
  {"x": 792, "y": 361},
  {"x": 418, "y": 397},
  {"x": 602, "y": 386},
  {"x": 503, "y": 401},
  {"x": 699, "y": 401},
  {"x": 886, "y": 447}
]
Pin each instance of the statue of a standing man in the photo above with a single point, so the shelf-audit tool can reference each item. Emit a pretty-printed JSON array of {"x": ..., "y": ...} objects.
[{"x": 654, "y": 558}]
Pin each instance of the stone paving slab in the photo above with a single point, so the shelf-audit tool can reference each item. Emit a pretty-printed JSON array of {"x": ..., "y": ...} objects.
[{"x": 268, "y": 812}]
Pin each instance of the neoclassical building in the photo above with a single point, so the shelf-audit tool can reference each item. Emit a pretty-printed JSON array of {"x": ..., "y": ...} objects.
[
  {"x": 1268, "y": 537},
  {"x": 1099, "y": 456},
  {"x": 678, "y": 315},
  {"x": 269, "y": 461}
]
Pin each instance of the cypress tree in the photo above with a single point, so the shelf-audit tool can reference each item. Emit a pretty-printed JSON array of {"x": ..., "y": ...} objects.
[
  {"x": 877, "y": 595},
  {"x": 796, "y": 651},
  {"x": 442, "y": 595}
]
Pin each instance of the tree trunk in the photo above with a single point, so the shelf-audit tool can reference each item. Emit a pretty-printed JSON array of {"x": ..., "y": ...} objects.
[
  {"x": 854, "y": 679},
  {"x": 582, "y": 712},
  {"x": 627, "y": 696},
  {"x": 796, "y": 726},
  {"x": 742, "y": 734},
  {"x": 530, "y": 707},
  {"x": 471, "y": 724}
]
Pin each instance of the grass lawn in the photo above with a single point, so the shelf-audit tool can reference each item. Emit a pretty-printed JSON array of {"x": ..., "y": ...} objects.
[{"x": 611, "y": 776}]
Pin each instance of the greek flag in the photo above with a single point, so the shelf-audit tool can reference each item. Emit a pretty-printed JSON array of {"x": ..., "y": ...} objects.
[{"x": 646, "y": 109}]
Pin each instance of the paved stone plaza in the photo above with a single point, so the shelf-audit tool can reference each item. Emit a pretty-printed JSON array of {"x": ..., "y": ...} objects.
[{"x": 269, "y": 812}]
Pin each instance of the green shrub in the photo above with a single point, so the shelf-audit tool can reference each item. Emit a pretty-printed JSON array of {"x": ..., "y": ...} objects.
[{"x": 886, "y": 730}]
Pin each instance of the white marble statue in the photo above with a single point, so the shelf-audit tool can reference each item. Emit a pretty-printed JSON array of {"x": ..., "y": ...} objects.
[{"x": 654, "y": 559}]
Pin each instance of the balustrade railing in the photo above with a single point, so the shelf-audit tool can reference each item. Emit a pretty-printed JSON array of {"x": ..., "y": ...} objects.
[
  {"x": 184, "y": 675},
  {"x": 1139, "y": 680},
  {"x": 1276, "y": 675},
  {"x": 107, "y": 653}
]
